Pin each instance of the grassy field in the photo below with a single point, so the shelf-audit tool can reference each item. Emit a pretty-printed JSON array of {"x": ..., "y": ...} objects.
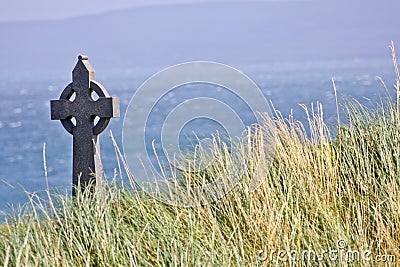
[{"x": 329, "y": 197}]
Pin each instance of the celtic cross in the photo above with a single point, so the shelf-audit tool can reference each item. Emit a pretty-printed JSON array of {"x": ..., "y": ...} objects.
[{"x": 77, "y": 104}]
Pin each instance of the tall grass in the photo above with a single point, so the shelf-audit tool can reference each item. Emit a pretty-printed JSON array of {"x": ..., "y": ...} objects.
[{"x": 332, "y": 192}]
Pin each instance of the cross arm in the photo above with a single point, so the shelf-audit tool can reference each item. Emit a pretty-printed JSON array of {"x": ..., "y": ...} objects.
[
  {"x": 106, "y": 107},
  {"x": 60, "y": 109}
]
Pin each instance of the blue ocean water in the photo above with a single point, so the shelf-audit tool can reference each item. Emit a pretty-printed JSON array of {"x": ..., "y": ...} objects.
[{"x": 25, "y": 124}]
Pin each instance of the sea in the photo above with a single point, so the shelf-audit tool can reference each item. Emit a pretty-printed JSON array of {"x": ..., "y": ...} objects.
[{"x": 31, "y": 143}]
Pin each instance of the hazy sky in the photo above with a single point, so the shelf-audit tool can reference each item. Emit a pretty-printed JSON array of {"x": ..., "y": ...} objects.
[
  {"x": 15, "y": 10},
  {"x": 250, "y": 32}
]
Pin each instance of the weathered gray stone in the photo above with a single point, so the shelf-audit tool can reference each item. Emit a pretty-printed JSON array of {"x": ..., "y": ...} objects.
[{"x": 86, "y": 146}]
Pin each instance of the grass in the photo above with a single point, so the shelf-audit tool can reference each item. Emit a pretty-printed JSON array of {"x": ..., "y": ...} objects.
[{"x": 332, "y": 192}]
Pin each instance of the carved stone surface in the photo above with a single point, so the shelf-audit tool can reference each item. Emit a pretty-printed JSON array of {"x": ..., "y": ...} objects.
[{"x": 76, "y": 102}]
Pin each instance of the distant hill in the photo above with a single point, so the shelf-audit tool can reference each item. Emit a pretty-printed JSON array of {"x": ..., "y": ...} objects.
[{"x": 232, "y": 33}]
